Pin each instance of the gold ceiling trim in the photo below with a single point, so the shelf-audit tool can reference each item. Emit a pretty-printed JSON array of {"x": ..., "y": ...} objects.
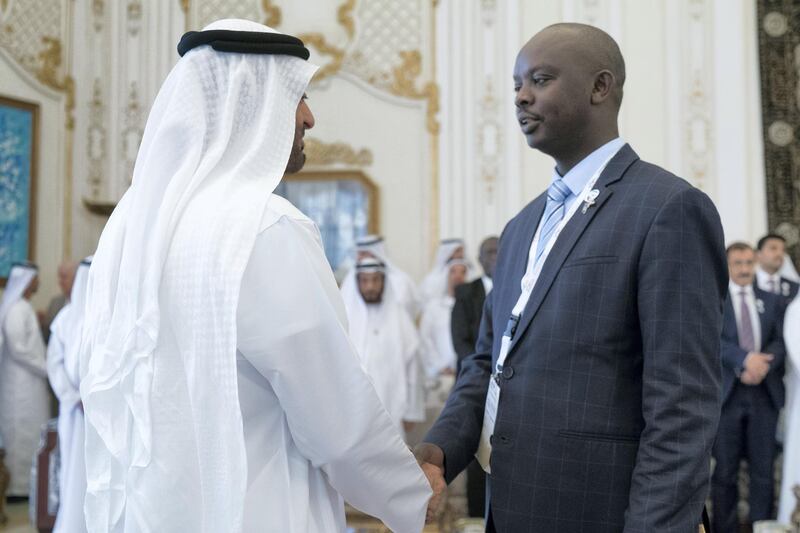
[
  {"x": 323, "y": 154},
  {"x": 272, "y": 13},
  {"x": 344, "y": 16},
  {"x": 404, "y": 84}
]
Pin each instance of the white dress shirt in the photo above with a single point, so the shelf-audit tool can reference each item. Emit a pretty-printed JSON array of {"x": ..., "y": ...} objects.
[
  {"x": 768, "y": 282},
  {"x": 487, "y": 284},
  {"x": 753, "y": 306}
]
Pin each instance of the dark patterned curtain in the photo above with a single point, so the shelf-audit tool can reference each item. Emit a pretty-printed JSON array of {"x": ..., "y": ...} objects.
[{"x": 779, "y": 53}]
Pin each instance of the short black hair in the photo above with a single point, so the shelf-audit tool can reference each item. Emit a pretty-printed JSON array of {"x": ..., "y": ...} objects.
[
  {"x": 738, "y": 246},
  {"x": 763, "y": 240}
]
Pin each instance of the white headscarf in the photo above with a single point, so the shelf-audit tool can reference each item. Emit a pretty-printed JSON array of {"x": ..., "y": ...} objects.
[
  {"x": 68, "y": 324},
  {"x": 354, "y": 302},
  {"x": 788, "y": 271},
  {"x": 215, "y": 146},
  {"x": 19, "y": 278},
  {"x": 403, "y": 287},
  {"x": 435, "y": 283}
]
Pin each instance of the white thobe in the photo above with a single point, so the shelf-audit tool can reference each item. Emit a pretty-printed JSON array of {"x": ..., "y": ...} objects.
[
  {"x": 791, "y": 445},
  {"x": 63, "y": 373},
  {"x": 24, "y": 400},
  {"x": 315, "y": 432},
  {"x": 389, "y": 353},
  {"x": 438, "y": 352}
]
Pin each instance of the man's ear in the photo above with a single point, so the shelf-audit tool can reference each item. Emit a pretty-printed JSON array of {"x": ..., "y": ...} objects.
[{"x": 604, "y": 84}]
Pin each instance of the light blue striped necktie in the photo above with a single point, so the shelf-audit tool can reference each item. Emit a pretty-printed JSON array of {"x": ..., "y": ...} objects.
[{"x": 554, "y": 211}]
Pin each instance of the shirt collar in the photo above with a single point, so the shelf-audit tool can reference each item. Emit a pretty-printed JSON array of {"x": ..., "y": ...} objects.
[
  {"x": 736, "y": 289},
  {"x": 581, "y": 173},
  {"x": 763, "y": 276}
]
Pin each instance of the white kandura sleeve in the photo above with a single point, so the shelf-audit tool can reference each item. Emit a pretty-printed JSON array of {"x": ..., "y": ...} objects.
[
  {"x": 298, "y": 341},
  {"x": 66, "y": 393}
]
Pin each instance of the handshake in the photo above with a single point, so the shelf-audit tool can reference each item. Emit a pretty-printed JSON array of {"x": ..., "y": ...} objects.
[{"x": 431, "y": 459}]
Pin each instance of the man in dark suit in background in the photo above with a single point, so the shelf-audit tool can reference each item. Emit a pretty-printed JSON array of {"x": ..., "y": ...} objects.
[
  {"x": 593, "y": 396},
  {"x": 464, "y": 325},
  {"x": 753, "y": 354},
  {"x": 467, "y": 310},
  {"x": 771, "y": 255}
]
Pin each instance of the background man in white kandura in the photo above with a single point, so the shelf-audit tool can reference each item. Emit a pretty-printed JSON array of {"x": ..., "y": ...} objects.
[
  {"x": 63, "y": 353},
  {"x": 24, "y": 398},
  {"x": 222, "y": 392},
  {"x": 386, "y": 340}
]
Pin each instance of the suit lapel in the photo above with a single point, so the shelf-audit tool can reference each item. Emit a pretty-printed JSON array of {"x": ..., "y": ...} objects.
[
  {"x": 569, "y": 237},
  {"x": 510, "y": 292},
  {"x": 762, "y": 318},
  {"x": 730, "y": 318}
]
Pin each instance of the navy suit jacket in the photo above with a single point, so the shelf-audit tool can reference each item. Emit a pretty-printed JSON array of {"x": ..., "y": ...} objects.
[
  {"x": 610, "y": 395},
  {"x": 789, "y": 291},
  {"x": 466, "y": 317},
  {"x": 771, "y": 320}
]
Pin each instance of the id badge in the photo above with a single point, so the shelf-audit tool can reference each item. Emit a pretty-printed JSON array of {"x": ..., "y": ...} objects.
[{"x": 484, "y": 453}]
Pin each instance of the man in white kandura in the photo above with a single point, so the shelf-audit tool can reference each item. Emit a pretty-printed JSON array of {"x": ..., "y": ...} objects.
[
  {"x": 791, "y": 441},
  {"x": 439, "y": 356},
  {"x": 403, "y": 287},
  {"x": 386, "y": 340},
  {"x": 434, "y": 284},
  {"x": 221, "y": 390},
  {"x": 24, "y": 399},
  {"x": 62, "y": 370}
]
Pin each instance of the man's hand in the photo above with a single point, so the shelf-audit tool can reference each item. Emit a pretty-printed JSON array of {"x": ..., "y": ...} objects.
[
  {"x": 756, "y": 366},
  {"x": 749, "y": 379},
  {"x": 408, "y": 426},
  {"x": 431, "y": 458}
]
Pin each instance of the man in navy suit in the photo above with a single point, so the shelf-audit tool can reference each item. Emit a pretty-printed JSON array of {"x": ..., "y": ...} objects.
[
  {"x": 593, "y": 396},
  {"x": 771, "y": 255},
  {"x": 753, "y": 354}
]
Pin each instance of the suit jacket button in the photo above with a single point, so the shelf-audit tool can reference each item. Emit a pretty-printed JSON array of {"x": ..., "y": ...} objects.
[{"x": 508, "y": 372}]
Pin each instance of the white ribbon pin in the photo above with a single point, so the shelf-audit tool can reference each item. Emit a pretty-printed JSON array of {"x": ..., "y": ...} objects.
[{"x": 590, "y": 200}]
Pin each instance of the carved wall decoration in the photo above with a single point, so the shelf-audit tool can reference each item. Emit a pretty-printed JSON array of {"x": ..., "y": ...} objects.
[
  {"x": 344, "y": 16},
  {"x": 490, "y": 138},
  {"x": 207, "y": 11},
  {"x": 404, "y": 84},
  {"x": 134, "y": 10},
  {"x": 320, "y": 153},
  {"x": 272, "y": 14},
  {"x": 132, "y": 132},
  {"x": 4, "y": 8},
  {"x": 698, "y": 139},
  {"x": 779, "y": 53},
  {"x": 96, "y": 146},
  {"x": 32, "y": 37},
  {"x": 386, "y": 28},
  {"x": 98, "y": 12}
]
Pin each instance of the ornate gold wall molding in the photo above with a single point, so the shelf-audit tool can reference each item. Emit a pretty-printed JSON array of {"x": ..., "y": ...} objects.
[
  {"x": 272, "y": 14},
  {"x": 33, "y": 34},
  {"x": 320, "y": 153},
  {"x": 96, "y": 142},
  {"x": 404, "y": 83},
  {"x": 134, "y": 16},
  {"x": 344, "y": 16}
]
